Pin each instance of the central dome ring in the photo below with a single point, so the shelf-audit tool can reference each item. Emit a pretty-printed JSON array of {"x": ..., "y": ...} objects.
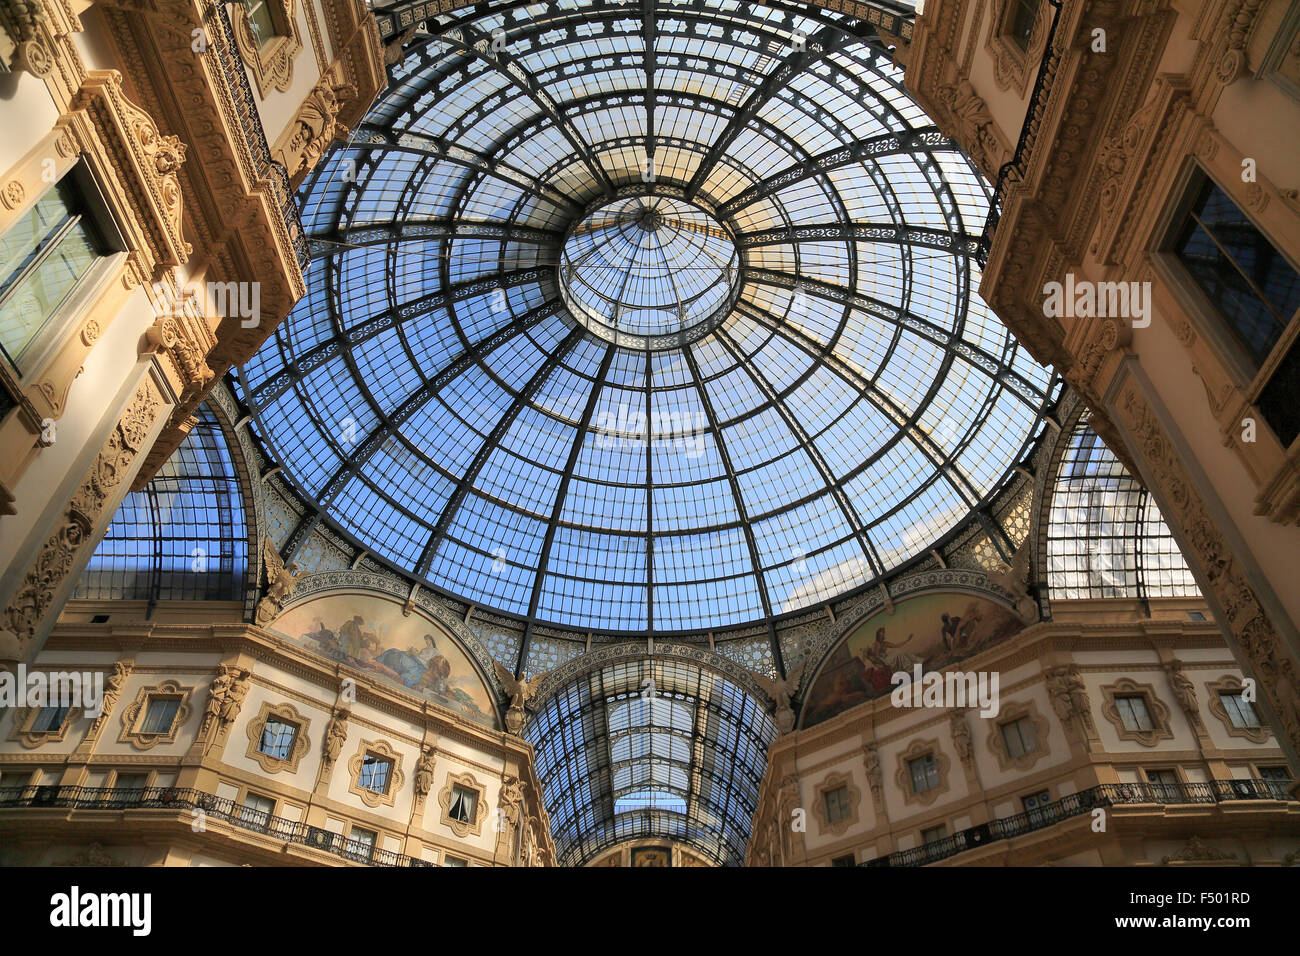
[{"x": 649, "y": 271}]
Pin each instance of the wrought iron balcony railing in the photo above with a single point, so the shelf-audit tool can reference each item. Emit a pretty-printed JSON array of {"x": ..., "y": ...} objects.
[
  {"x": 1015, "y": 168},
  {"x": 221, "y": 42},
  {"x": 220, "y": 808},
  {"x": 1085, "y": 801}
]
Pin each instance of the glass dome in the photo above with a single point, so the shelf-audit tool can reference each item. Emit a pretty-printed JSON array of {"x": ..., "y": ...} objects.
[{"x": 633, "y": 323}]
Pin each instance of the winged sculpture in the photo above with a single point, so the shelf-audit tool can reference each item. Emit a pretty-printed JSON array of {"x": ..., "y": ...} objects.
[
  {"x": 520, "y": 691},
  {"x": 280, "y": 582},
  {"x": 782, "y": 690}
]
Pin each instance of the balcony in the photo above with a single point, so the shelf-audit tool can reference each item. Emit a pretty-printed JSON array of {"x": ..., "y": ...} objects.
[
  {"x": 1077, "y": 804},
  {"x": 217, "y": 808}
]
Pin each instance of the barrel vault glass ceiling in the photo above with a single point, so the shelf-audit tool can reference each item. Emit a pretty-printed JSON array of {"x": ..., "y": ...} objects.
[{"x": 653, "y": 316}]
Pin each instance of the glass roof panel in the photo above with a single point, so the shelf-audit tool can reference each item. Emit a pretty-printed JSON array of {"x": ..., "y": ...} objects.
[{"x": 605, "y": 330}]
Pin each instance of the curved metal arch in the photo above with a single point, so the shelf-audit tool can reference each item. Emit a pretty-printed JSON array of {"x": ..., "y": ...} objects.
[{"x": 571, "y": 734}]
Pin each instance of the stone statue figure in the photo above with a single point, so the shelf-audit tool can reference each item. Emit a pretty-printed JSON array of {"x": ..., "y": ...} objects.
[
  {"x": 424, "y": 772},
  {"x": 1184, "y": 689},
  {"x": 335, "y": 736},
  {"x": 112, "y": 692}
]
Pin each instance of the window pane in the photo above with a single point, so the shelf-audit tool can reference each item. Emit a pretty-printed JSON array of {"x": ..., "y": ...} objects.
[
  {"x": 1254, "y": 288},
  {"x": 49, "y": 719},
  {"x": 277, "y": 739},
  {"x": 374, "y": 773},
  {"x": 1133, "y": 712},
  {"x": 159, "y": 716},
  {"x": 42, "y": 256}
]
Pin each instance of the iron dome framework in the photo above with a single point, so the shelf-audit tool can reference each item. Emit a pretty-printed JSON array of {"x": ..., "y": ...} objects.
[{"x": 436, "y": 399}]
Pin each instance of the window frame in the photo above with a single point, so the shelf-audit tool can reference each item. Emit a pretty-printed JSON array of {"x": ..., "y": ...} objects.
[
  {"x": 36, "y": 355},
  {"x": 1249, "y": 378}
]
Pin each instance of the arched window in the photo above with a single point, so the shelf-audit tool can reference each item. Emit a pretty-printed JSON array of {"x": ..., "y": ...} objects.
[
  {"x": 183, "y": 537},
  {"x": 1106, "y": 537}
]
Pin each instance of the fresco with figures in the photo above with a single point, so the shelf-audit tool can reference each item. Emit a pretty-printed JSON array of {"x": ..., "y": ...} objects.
[
  {"x": 370, "y": 633},
  {"x": 934, "y": 630}
]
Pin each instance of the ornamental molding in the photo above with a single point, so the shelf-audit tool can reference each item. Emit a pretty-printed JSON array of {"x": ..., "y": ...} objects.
[
  {"x": 1013, "y": 65},
  {"x": 376, "y": 798},
  {"x": 133, "y": 715},
  {"x": 36, "y": 593},
  {"x": 1242, "y": 615},
  {"x": 829, "y": 784},
  {"x": 1231, "y": 684},
  {"x": 1156, "y": 708},
  {"x": 462, "y": 828},
  {"x": 270, "y": 62},
  {"x": 288, "y": 714},
  {"x": 30, "y": 739},
  {"x": 903, "y": 775},
  {"x": 1196, "y": 850},
  {"x": 1009, "y": 714},
  {"x": 143, "y": 165}
]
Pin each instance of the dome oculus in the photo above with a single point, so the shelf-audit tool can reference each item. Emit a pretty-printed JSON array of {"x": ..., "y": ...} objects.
[{"x": 649, "y": 272}]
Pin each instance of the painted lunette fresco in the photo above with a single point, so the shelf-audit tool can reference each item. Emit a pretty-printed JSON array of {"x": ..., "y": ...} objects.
[
  {"x": 934, "y": 630},
  {"x": 370, "y": 633}
]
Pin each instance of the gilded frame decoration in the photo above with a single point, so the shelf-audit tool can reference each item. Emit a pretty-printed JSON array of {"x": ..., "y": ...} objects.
[
  {"x": 1156, "y": 708},
  {"x": 903, "y": 776},
  {"x": 133, "y": 715},
  {"x": 375, "y": 798},
  {"x": 301, "y": 742},
  {"x": 473, "y": 827}
]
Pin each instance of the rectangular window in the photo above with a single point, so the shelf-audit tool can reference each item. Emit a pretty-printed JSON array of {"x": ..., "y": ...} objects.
[
  {"x": 1020, "y": 737},
  {"x": 261, "y": 20},
  {"x": 925, "y": 773},
  {"x": 454, "y": 861},
  {"x": 277, "y": 739},
  {"x": 1239, "y": 710},
  {"x": 361, "y": 843},
  {"x": 1133, "y": 712},
  {"x": 43, "y": 256},
  {"x": 128, "y": 788},
  {"x": 256, "y": 811},
  {"x": 374, "y": 773},
  {"x": 1166, "y": 787},
  {"x": 934, "y": 834},
  {"x": 846, "y": 860},
  {"x": 48, "y": 720},
  {"x": 1036, "y": 801},
  {"x": 463, "y": 801},
  {"x": 1023, "y": 14},
  {"x": 837, "y": 804},
  {"x": 159, "y": 715},
  {"x": 1253, "y": 288}
]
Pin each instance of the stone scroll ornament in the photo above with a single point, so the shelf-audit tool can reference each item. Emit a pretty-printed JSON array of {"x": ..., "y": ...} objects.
[
  {"x": 280, "y": 582},
  {"x": 520, "y": 692}
]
